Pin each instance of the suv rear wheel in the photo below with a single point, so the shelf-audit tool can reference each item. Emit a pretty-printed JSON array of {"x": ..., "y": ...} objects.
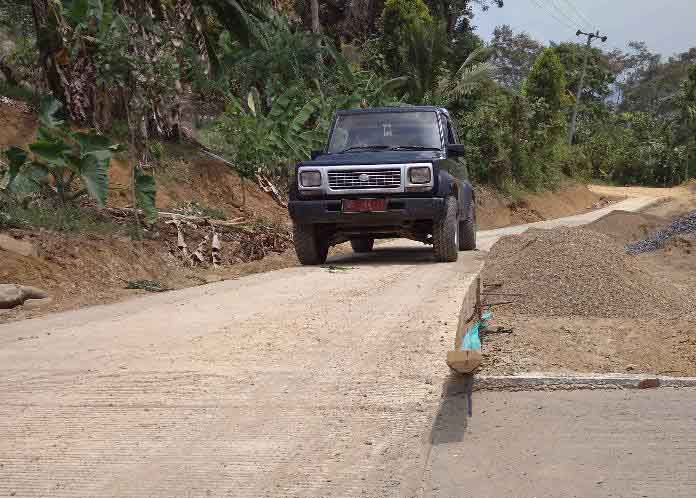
[
  {"x": 445, "y": 243},
  {"x": 362, "y": 245},
  {"x": 311, "y": 248},
  {"x": 467, "y": 230}
]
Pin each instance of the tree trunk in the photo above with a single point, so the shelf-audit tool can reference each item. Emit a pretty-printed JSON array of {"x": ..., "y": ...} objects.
[
  {"x": 9, "y": 73},
  {"x": 72, "y": 75},
  {"x": 315, "y": 16},
  {"x": 359, "y": 19}
]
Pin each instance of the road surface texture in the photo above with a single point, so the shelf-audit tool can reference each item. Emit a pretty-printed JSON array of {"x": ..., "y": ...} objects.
[
  {"x": 582, "y": 444},
  {"x": 305, "y": 382}
]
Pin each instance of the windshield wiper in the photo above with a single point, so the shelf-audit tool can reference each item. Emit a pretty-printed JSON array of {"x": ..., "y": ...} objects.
[
  {"x": 413, "y": 147},
  {"x": 365, "y": 147}
]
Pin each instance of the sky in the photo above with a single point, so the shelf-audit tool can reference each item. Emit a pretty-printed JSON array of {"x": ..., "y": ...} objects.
[{"x": 668, "y": 26}]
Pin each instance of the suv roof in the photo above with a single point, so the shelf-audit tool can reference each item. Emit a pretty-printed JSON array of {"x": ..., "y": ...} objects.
[{"x": 427, "y": 108}]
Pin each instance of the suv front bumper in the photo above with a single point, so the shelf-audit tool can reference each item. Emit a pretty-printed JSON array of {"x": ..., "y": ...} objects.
[{"x": 399, "y": 210}]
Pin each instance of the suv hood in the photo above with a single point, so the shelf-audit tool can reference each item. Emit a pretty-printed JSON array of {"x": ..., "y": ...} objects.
[{"x": 379, "y": 157}]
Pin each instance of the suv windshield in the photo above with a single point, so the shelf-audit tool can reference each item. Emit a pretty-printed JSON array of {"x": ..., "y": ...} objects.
[{"x": 386, "y": 130}]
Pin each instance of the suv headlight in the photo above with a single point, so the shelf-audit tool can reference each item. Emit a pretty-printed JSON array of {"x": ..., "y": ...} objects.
[
  {"x": 419, "y": 175},
  {"x": 310, "y": 178}
]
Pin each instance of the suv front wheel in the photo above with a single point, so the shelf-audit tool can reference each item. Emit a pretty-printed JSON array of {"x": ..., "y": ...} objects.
[
  {"x": 467, "y": 230},
  {"x": 311, "y": 248},
  {"x": 445, "y": 233}
]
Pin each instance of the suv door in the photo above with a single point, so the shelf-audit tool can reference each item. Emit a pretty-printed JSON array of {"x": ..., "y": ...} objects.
[{"x": 455, "y": 165}]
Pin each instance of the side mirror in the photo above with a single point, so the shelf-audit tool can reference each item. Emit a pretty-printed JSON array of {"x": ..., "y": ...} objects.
[
  {"x": 456, "y": 150},
  {"x": 316, "y": 153}
]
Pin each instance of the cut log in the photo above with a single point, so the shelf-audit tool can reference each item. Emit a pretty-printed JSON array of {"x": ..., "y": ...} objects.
[
  {"x": 215, "y": 249},
  {"x": 198, "y": 253},
  {"x": 12, "y": 295}
]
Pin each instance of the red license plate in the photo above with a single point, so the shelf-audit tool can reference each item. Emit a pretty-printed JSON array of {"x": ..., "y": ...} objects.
[{"x": 364, "y": 205}]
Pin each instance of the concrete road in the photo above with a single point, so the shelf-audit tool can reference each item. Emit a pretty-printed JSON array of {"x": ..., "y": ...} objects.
[
  {"x": 302, "y": 382},
  {"x": 584, "y": 444}
]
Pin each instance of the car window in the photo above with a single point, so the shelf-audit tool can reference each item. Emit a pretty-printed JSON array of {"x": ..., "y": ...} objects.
[
  {"x": 388, "y": 129},
  {"x": 451, "y": 138}
]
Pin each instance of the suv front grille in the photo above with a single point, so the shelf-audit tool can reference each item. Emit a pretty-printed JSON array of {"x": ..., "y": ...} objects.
[{"x": 374, "y": 179}]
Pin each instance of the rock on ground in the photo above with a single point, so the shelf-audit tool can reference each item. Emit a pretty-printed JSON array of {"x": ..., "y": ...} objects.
[
  {"x": 12, "y": 295},
  {"x": 8, "y": 243}
]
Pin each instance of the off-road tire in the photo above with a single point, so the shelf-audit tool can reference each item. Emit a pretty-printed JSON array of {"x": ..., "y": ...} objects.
[
  {"x": 467, "y": 230},
  {"x": 445, "y": 230},
  {"x": 310, "y": 247},
  {"x": 362, "y": 245}
]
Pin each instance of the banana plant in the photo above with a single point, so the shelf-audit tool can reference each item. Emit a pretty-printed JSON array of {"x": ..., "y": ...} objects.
[
  {"x": 287, "y": 132},
  {"x": 67, "y": 164}
]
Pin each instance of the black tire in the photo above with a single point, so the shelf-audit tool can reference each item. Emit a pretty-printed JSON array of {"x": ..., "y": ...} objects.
[
  {"x": 467, "y": 230},
  {"x": 445, "y": 231},
  {"x": 310, "y": 247},
  {"x": 362, "y": 245}
]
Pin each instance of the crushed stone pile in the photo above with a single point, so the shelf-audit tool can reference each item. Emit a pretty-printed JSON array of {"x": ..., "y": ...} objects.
[
  {"x": 577, "y": 272},
  {"x": 626, "y": 227},
  {"x": 658, "y": 239}
]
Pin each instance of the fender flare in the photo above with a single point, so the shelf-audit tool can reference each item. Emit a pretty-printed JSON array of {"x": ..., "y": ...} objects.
[{"x": 462, "y": 190}]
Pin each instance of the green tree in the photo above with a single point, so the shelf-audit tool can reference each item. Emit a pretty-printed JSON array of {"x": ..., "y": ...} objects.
[
  {"x": 426, "y": 50},
  {"x": 650, "y": 84},
  {"x": 457, "y": 14},
  {"x": 474, "y": 73},
  {"x": 598, "y": 79},
  {"x": 401, "y": 20},
  {"x": 279, "y": 55},
  {"x": 547, "y": 80},
  {"x": 514, "y": 56},
  {"x": 687, "y": 102}
]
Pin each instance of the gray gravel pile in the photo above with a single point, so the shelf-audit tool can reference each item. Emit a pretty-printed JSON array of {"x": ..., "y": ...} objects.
[
  {"x": 577, "y": 272},
  {"x": 657, "y": 240}
]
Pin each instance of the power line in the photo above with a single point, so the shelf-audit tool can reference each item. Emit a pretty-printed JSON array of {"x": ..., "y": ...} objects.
[
  {"x": 552, "y": 14},
  {"x": 564, "y": 14},
  {"x": 579, "y": 13}
]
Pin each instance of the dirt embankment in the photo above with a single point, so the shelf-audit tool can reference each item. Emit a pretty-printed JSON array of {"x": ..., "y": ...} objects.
[
  {"x": 583, "y": 304},
  {"x": 495, "y": 210},
  {"x": 86, "y": 269}
]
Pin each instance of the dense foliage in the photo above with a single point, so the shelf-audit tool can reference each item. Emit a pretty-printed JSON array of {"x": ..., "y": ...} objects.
[{"x": 268, "y": 75}]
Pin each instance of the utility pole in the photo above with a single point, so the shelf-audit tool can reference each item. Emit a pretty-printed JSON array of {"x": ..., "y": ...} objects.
[{"x": 574, "y": 119}]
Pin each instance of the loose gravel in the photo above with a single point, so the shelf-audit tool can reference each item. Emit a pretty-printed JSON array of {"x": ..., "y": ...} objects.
[
  {"x": 658, "y": 239},
  {"x": 577, "y": 272}
]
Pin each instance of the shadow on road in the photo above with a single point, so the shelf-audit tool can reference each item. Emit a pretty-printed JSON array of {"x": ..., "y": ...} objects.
[
  {"x": 453, "y": 415},
  {"x": 388, "y": 256}
]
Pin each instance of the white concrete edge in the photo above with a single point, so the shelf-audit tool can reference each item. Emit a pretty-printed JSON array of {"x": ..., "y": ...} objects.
[{"x": 551, "y": 381}]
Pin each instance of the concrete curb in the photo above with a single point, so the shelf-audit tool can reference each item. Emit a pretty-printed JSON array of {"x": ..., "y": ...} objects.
[{"x": 550, "y": 382}]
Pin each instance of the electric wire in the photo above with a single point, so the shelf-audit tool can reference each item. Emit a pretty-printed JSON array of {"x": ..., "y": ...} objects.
[
  {"x": 552, "y": 14},
  {"x": 563, "y": 13},
  {"x": 579, "y": 13}
]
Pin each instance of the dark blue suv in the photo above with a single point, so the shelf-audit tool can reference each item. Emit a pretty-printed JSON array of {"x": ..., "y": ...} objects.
[{"x": 386, "y": 173}]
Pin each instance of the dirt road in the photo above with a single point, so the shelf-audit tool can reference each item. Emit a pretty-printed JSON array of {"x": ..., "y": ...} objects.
[{"x": 303, "y": 382}]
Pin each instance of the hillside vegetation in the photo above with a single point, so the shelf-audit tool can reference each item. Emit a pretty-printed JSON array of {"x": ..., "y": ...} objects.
[{"x": 257, "y": 82}]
